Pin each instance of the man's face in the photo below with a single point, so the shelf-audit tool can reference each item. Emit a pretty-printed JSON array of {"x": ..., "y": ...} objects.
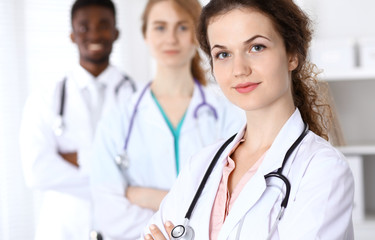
[{"x": 94, "y": 32}]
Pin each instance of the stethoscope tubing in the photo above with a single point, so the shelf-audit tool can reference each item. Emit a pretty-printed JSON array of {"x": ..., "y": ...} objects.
[
  {"x": 204, "y": 102},
  {"x": 277, "y": 174},
  {"x": 59, "y": 129},
  {"x": 135, "y": 109},
  {"x": 62, "y": 98},
  {"x": 206, "y": 176}
]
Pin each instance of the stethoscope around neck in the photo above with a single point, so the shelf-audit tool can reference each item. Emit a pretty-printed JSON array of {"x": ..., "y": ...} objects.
[
  {"x": 122, "y": 160},
  {"x": 186, "y": 232},
  {"x": 59, "y": 126}
]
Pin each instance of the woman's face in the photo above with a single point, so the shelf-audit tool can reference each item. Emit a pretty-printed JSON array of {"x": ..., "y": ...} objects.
[
  {"x": 249, "y": 60},
  {"x": 169, "y": 35}
]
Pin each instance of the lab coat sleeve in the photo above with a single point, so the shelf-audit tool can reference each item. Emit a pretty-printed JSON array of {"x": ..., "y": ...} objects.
[
  {"x": 322, "y": 206},
  {"x": 114, "y": 215},
  {"x": 43, "y": 168},
  {"x": 175, "y": 204}
]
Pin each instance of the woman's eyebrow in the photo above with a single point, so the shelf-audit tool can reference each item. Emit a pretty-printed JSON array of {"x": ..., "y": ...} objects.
[
  {"x": 218, "y": 46},
  {"x": 253, "y": 38},
  {"x": 248, "y": 41}
]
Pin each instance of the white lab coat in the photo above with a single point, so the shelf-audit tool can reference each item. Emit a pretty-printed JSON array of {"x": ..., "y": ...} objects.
[
  {"x": 320, "y": 203},
  {"x": 65, "y": 206},
  {"x": 151, "y": 153}
]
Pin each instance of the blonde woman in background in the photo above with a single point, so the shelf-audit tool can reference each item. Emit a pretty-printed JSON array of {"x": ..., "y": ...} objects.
[{"x": 140, "y": 150}]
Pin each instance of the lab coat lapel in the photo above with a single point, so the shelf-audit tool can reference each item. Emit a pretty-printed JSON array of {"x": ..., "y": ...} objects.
[
  {"x": 209, "y": 193},
  {"x": 149, "y": 107},
  {"x": 75, "y": 98},
  {"x": 256, "y": 187},
  {"x": 209, "y": 197},
  {"x": 248, "y": 197}
]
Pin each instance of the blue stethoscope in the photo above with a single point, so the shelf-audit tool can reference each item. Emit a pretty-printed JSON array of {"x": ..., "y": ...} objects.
[
  {"x": 59, "y": 126},
  {"x": 186, "y": 232},
  {"x": 122, "y": 159}
]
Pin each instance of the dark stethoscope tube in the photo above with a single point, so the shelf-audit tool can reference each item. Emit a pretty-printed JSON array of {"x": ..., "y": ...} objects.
[
  {"x": 183, "y": 232},
  {"x": 60, "y": 127}
]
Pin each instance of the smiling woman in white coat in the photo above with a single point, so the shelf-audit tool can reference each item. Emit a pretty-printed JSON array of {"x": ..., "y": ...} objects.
[
  {"x": 141, "y": 148},
  {"x": 279, "y": 177}
]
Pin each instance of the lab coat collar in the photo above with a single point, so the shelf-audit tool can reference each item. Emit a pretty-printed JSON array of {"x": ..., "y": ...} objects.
[
  {"x": 274, "y": 157},
  {"x": 194, "y": 102},
  {"x": 157, "y": 116},
  {"x": 83, "y": 78}
]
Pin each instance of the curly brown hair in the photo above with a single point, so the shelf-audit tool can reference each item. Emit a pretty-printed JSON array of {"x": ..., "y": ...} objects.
[
  {"x": 309, "y": 95},
  {"x": 193, "y": 9}
]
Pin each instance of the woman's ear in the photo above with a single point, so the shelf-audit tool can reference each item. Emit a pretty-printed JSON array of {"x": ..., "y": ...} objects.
[{"x": 293, "y": 62}]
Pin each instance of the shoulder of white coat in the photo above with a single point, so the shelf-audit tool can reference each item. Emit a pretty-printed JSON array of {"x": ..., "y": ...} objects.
[
  {"x": 317, "y": 158},
  {"x": 319, "y": 163},
  {"x": 120, "y": 84},
  {"x": 46, "y": 95},
  {"x": 319, "y": 148},
  {"x": 123, "y": 77},
  {"x": 203, "y": 158},
  {"x": 137, "y": 94}
]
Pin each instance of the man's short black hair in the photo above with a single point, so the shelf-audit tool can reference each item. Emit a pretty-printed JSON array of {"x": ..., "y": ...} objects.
[{"x": 78, "y": 4}]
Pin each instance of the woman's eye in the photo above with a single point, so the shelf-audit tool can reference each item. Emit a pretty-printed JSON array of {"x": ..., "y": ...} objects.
[
  {"x": 182, "y": 28},
  {"x": 159, "y": 28},
  {"x": 257, "y": 48},
  {"x": 222, "y": 55}
]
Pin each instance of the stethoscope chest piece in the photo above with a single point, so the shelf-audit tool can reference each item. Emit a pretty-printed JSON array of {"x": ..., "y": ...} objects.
[
  {"x": 59, "y": 127},
  {"x": 182, "y": 232},
  {"x": 122, "y": 160}
]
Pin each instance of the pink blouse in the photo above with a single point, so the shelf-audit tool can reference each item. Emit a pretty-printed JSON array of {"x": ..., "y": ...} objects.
[{"x": 223, "y": 200}]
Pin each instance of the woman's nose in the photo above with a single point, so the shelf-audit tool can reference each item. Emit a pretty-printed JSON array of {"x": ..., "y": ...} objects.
[
  {"x": 241, "y": 66},
  {"x": 171, "y": 37}
]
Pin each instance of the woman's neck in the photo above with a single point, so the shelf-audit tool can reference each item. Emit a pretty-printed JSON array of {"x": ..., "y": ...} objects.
[
  {"x": 264, "y": 125},
  {"x": 173, "y": 82}
]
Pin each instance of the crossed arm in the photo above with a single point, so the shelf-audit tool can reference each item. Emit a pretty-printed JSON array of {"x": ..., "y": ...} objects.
[{"x": 145, "y": 197}]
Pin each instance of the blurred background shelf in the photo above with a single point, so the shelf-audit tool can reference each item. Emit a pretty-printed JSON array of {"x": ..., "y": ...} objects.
[
  {"x": 354, "y": 74},
  {"x": 358, "y": 149}
]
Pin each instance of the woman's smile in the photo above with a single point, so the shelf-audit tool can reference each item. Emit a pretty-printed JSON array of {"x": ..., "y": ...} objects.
[{"x": 246, "y": 87}]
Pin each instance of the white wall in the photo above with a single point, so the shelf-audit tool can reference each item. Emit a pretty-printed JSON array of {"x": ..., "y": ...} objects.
[{"x": 342, "y": 18}]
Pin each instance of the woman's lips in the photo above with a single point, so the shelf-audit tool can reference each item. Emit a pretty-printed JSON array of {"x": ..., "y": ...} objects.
[
  {"x": 246, "y": 87},
  {"x": 171, "y": 52}
]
